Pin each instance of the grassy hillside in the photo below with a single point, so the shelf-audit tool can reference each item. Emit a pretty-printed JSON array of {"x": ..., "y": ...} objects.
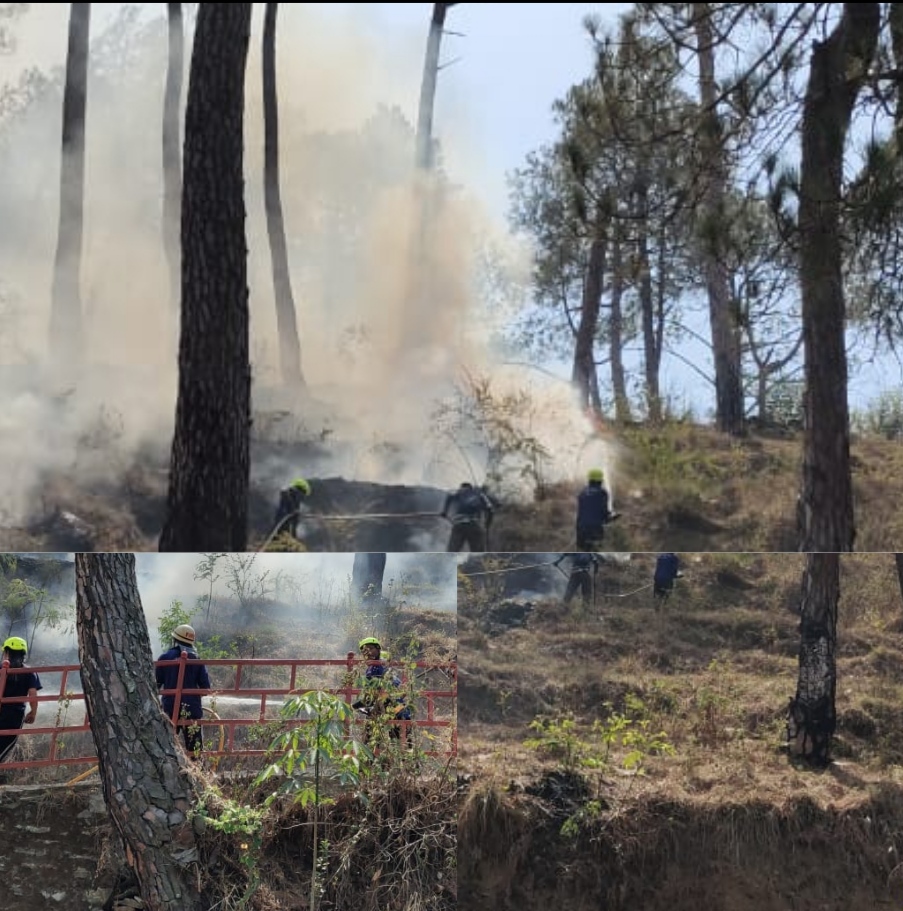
[
  {"x": 681, "y": 487},
  {"x": 657, "y": 778}
]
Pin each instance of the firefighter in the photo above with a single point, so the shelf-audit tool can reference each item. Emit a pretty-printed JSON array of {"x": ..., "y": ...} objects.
[
  {"x": 291, "y": 506},
  {"x": 13, "y": 714},
  {"x": 381, "y": 692},
  {"x": 470, "y": 511},
  {"x": 593, "y": 512},
  {"x": 195, "y": 678}
]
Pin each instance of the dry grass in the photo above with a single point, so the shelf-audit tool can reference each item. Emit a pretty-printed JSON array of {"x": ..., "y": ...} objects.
[
  {"x": 389, "y": 845},
  {"x": 725, "y": 822}
]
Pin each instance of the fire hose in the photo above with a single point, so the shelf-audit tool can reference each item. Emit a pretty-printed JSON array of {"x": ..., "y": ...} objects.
[
  {"x": 349, "y": 518},
  {"x": 222, "y": 741}
]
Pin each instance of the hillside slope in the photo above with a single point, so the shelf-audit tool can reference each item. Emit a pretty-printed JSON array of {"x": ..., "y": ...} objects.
[{"x": 693, "y": 696}]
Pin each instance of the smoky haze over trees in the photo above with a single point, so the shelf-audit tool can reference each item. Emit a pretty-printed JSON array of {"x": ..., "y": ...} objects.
[{"x": 342, "y": 179}]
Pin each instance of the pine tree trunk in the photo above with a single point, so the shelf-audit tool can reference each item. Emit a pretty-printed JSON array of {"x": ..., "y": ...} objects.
[
  {"x": 172, "y": 158},
  {"x": 367, "y": 575},
  {"x": 583, "y": 374},
  {"x": 286, "y": 318},
  {"x": 424, "y": 151},
  {"x": 143, "y": 772},
  {"x": 209, "y": 470},
  {"x": 66, "y": 329},
  {"x": 723, "y": 321},
  {"x": 836, "y": 75},
  {"x": 616, "y": 334},
  {"x": 812, "y": 713}
]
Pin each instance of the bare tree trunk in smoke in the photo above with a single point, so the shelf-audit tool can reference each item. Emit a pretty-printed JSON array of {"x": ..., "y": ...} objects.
[
  {"x": 66, "y": 331},
  {"x": 424, "y": 153},
  {"x": 583, "y": 374},
  {"x": 172, "y": 161},
  {"x": 367, "y": 576},
  {"x": 207, "y": 507},
  {"x": 144, "y": 773},
  {"x": 286, "y": 319},
  {"x": 424, "y": 191}
]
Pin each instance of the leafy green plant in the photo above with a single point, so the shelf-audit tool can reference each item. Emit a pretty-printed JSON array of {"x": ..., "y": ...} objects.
[
  {"x": 497, "y": 425},
  {"x": 558, "y": 739},
  {"x": 314, "y": 753},
  {"x": 243, "y": 821},
  {"x": 175, "y": 615},
  {"x": 631, "y": 731}
]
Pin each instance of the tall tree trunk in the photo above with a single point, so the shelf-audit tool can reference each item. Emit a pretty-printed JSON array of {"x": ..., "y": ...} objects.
[
  {"x": 652, "y": 354},
  {"x": 207, "y": 506},
  {"x": 419, "y": 291},
  {"x": 616, "y": 332},
  {"x": 583, "y": 374},
  {"x": 812, "y": 713},
  {"x": 424, "y": 149},
  {"x": 66, "y": 330},
  {"x": 898, "y": 558},
  {"x": 837, "y": 71},
  {"x": 723, "y": 318},
  {"x": 367, "y": 576},
  {"x": 286, "y": 319},
  {"x": 146, "y": 784},
  {"x": 172, "y": 161}
]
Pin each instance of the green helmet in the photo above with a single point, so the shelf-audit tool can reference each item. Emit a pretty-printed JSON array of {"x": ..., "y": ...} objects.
[
  {"x": 15, "y": 644},
  {"x": 368, "y": 640},
  {"x": 302, "y": 485},
  {"x": 595, "y": 474}
]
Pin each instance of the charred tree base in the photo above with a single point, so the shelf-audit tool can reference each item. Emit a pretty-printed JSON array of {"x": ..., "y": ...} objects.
[{"x": 810, "y": 731}]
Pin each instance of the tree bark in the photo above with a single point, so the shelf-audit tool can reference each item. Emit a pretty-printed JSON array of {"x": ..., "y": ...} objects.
[
  {"x": 583, "y": 374},
  {"x": 367, "y": 576},
  {"x": 898, "y": 558},
  {"x": 66, "y": 330},
  {"x": 172, "y": 160},
  {"x": 652, "y": 348},
  {"x": 209, "y": 469},
  {"x": 424, "y": 149},
  {"x": 145, "y": 777},
  {"x": 812, "y": 714},
  {"x": 723, "y": 321},
  {"x": 616, "y": 332},
  {"x": 837, "y": 72},
  {"x": 286, "y": 318}
]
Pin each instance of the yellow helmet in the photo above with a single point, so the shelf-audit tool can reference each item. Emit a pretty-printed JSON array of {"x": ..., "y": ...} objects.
[
  {"x": 368, "y": 640},
  {"x": 15, "y": 644},
  {"x": 302, "y": 485},
  {"x": 595, "y": 474}
]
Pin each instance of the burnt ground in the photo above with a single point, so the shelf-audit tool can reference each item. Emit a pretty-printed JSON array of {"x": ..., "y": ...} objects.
[
  {"x": 129, "y": 515},
  {"x": 681, "y": 488}
]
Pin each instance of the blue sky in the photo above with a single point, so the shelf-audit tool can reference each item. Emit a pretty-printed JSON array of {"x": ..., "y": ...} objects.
[{"x": 510, "y": 64}]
